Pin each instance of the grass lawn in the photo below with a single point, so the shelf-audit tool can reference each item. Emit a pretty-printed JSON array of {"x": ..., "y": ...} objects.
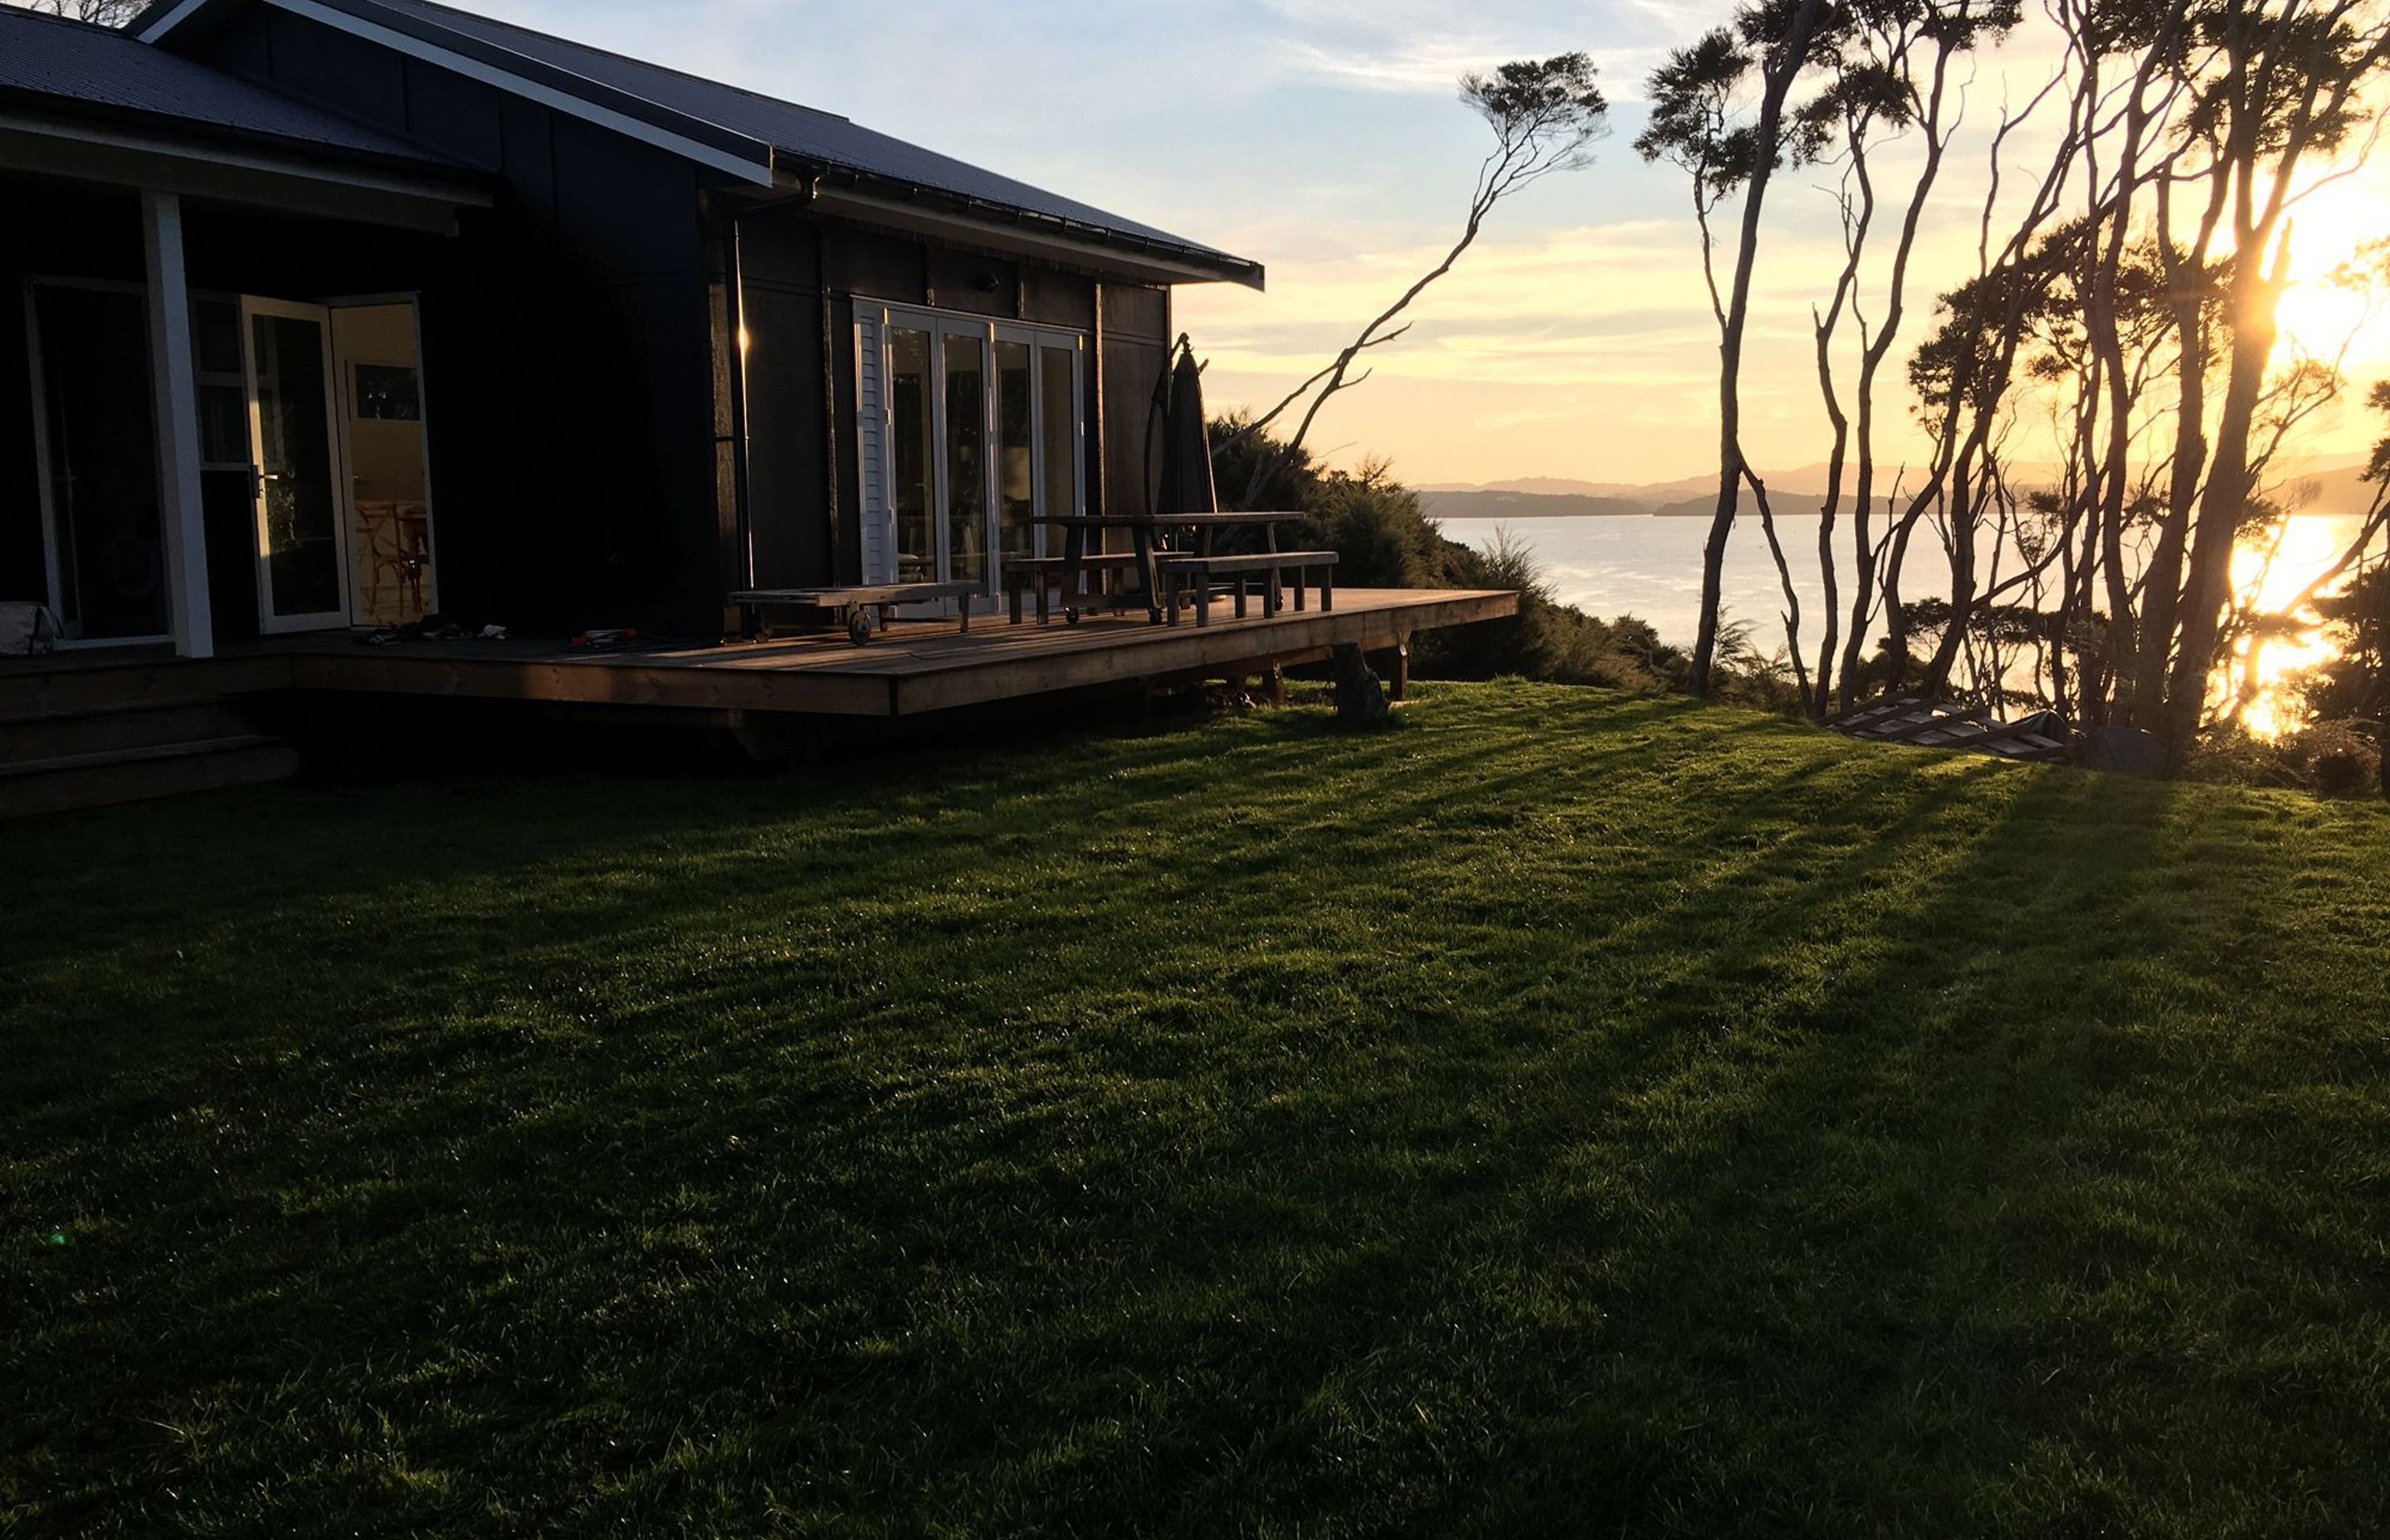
[{"x": 1559, "y": 1113}]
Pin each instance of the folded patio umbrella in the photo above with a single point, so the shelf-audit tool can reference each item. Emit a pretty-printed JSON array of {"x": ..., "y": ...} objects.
[{"x": 1187, "y": 484}]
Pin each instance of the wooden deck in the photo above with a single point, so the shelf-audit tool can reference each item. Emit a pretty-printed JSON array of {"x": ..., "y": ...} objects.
[{"x": 913, "y": 668}]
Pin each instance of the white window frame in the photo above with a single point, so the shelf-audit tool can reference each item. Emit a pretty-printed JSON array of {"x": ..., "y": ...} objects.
[
  {"x": 875, "y": 430},
  {"x": 271, "y": 622}
]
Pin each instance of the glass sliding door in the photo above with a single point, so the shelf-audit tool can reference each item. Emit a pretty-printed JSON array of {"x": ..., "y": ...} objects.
[
  {"x": 984, "y": 436},
  {"x": 303, "y": 549},
  {"x": 1061, "y": 442},
  {"x": 1016, "y": 449},
  {"x": 102, "y": 534},
  {"x": 967, "y": 465},
  {"x": 911, "y": 432},
  {"x": 1059, "y": 427}
]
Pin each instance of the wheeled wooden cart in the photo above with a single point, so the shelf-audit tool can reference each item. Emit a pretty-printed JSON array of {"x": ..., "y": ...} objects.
[{"x": 853, "y": 607}]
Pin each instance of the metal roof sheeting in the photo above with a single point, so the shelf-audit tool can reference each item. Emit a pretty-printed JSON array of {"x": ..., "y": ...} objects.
[
  {"x": 77, "y": 64},
  {"x": 803, "y": 132}
]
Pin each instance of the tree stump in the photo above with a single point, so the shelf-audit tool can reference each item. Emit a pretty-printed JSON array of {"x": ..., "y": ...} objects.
[{"x": 1360, "y": 699}]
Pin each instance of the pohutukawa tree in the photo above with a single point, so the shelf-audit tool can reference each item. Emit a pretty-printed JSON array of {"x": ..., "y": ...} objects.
[
  {"x": 2152, "y": 339},
  {"x": 1701, "y": 123},
  {"x": 1547, "y": 115},
  {"x": 2276, "y": 88},
  {"x": 2106, "y": 405},
  {"x": 1892, "y": 78}
]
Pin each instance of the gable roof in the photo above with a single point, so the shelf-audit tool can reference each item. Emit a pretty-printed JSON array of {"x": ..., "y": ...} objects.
[
  {"x": 739, "y": 130},
  {"x": 60, "y": 65}
]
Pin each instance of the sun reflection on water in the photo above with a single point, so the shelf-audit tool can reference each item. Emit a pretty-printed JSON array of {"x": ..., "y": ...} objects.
[{"x": 2269, "y": 572}]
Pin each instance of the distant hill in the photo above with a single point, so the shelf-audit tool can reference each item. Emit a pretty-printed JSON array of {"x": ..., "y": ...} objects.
[
  {"x": 1557, "y": 487},
  {"x": 2328, "y": 488},
  {"x": 1558, "y": 497},
  {"x": 1788, "y": 504},
  {"x": 2315, "y": 486},
  {"x": 1478, "y": 503}
]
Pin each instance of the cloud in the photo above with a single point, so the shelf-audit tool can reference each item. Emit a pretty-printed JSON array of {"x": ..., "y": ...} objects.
[{"x": 1323, "y": 138}]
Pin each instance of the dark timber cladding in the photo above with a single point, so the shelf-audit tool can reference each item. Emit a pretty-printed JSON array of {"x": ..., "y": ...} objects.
[
  {"x": 799, "y": 272},
  {"x": 601, "y": 455},
  {"x": 639, "y": 365},
  {"x": 567, "y": 363}
]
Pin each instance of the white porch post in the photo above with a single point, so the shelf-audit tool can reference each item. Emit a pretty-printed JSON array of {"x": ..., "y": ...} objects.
[{"x": 174, "y": 389}]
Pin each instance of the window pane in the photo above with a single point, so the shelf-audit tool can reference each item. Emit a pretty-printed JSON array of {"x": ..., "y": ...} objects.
[
  {"x": 386, "y": 393},
  {"x": 303, "y": 531},
  {"x": 215, "y": 336},
  {"x": 223, "y": 426},
  {"x": 908, "y": 404},
  {"x": 1060, "y": 429},
  {"x": 966, "y": 460},
  {"x": 1016, "y": 489},
  {"x": 102, "y": 461}
]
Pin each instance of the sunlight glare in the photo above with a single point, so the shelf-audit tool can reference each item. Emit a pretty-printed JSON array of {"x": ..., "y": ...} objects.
[
  {"x": 2330, "y": 228},
  {"x": 2270, "y": 570}
]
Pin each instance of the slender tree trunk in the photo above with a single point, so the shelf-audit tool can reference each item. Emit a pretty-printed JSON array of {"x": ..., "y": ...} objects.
[
  {"x": 2187, "y": 280},
  {"x": 1863, "y": 590},
  {"x": 1777, "y": 77},
  {"x": 1962, "y": 578},
  {"x": 2207, "y": 590}
]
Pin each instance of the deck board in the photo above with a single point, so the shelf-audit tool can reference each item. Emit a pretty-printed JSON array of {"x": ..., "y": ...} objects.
[{"x": 911, "y": 668}]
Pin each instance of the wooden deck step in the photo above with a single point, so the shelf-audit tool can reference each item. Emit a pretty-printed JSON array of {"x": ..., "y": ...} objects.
[
  {"x": 65, "y": 684},
  {"x": 119, "y": 727},
  {"x": 134, "y": 775}
]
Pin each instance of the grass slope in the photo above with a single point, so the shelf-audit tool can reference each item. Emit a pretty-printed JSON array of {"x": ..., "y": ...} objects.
[{"x": 1561, "y": 1113}]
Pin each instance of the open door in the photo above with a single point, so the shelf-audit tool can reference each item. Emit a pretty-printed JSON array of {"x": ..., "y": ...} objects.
[
  {"x": 388, "y": 503},
  {"x": 303, "y": 548}
]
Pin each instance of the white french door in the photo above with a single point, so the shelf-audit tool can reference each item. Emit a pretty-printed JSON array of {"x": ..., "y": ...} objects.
[
  {"x": 297, "y": 483},
  {"x": 970, "y": 430}
]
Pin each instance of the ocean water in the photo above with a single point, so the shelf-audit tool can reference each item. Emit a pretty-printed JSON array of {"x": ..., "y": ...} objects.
[{"x": 1651, "y": 567}]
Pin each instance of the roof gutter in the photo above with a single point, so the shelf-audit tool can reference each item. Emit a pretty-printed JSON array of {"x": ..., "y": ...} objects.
[
  {"x": 743, "y": 158},
  {"x": 845, "y": 190},
  {"x": 438, "y": 177}
]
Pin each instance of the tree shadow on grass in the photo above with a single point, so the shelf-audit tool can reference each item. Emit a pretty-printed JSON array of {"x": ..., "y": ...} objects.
[
  {"x": 1965, "y": 1246},
  {"x": 949, "y": 1145}
]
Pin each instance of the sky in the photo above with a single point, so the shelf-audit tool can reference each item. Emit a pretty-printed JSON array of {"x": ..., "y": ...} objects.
[{"x": 1326, "y": 139}]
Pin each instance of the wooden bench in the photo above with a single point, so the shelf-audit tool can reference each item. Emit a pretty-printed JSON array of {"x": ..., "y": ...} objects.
[
  {"x": 1049, "y": 572},
  {"x": 854, "y": 606},
  {"x": 1179, "y": 571}
]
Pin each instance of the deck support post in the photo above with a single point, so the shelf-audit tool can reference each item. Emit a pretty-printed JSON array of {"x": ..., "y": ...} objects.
[
  {"x": 174, "y": 389},
  {"x": 1393, "y": 665}
]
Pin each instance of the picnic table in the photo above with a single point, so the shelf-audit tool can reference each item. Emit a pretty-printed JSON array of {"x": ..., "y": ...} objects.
[{"x": 1142, "y": 530}]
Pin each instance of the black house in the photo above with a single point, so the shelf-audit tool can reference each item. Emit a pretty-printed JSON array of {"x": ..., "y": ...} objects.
[{"x": 332, "y": 313}]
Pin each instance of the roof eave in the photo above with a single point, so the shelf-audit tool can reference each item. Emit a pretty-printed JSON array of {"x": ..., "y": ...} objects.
[
  {"x": 878, "y": 200},
  {"x": 744, "y": 158},
  {"x": 463, "y": 183},
  {"x": 736, "y": 155}
]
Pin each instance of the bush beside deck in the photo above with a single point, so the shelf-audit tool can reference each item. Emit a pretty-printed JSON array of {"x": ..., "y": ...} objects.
[{"x": 1561, "y": 1113}]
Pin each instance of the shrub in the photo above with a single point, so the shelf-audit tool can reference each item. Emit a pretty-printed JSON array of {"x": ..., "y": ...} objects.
[
  {"x": 1384, "y": 539},
  {"x": 2338, "y": 757}
]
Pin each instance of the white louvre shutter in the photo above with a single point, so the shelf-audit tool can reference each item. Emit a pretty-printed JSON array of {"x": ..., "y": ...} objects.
[{"x": 871, "y": 446}]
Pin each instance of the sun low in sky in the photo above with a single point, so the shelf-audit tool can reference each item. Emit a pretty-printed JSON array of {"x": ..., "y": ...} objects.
[{"x": 1326, "y": 139}]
